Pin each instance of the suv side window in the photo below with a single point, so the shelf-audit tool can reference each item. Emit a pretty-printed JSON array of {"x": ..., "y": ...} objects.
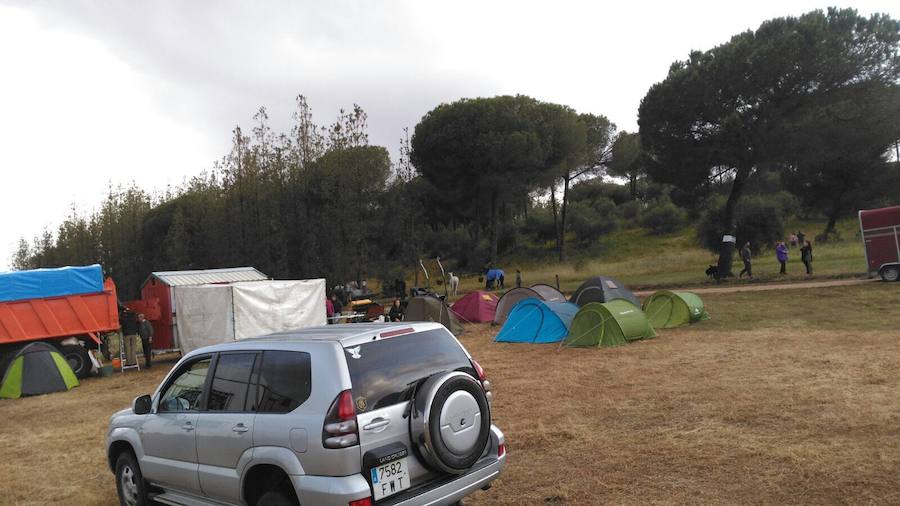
[
  {"x": 284, "y": 381},
  {"x": 231, "y": 382},
  {"x": 186, "y": 389}
]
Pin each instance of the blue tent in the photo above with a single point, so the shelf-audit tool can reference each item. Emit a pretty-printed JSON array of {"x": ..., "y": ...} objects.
[{"x": 537, "y": 321}]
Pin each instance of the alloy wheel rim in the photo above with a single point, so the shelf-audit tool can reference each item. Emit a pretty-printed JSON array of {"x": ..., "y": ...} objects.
[{"x": 129, "y": 487}]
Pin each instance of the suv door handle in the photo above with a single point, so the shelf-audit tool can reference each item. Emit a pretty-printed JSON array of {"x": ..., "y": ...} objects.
[
  {"x": 188, "y": 426},
  {"x": 240, "y": 427},
  {"x": 377, "y": 423}
]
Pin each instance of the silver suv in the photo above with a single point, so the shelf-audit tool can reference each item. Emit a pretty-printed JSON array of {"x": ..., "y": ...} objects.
[{"x": 350, "y": 415}]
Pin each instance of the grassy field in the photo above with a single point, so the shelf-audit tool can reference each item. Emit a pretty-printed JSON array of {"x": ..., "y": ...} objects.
[
  {"x": 784, "y": 397},
  {"x": 642, "y": 260}
]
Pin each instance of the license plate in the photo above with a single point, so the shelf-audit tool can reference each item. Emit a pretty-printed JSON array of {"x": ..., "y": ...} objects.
[{"x": 389, "y": 478}]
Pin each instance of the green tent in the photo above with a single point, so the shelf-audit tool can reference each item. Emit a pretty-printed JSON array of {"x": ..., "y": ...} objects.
[
  {"x": 608, "y": 324},
  {"x": 37, "y": 369},
  {"x": 667, "y": 309}
]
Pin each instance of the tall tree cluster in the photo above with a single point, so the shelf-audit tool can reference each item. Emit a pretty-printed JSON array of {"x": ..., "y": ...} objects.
[
  {"x": 776, "y": 96},
  {"x": 311, "y": 202}
]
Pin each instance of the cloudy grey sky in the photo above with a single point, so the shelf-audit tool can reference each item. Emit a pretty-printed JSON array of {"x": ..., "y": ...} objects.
[{"x": 96, "y": 93}]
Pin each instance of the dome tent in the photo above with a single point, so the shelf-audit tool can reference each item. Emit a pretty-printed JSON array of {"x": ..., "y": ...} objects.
[
  {"x": 667, "y": 309},
  {"x": 37, "y": 369},
  {"x": 509, "y": 299},
  {"x": 548, "y": 292},
  {"x": 608, "y": 324},
  {"x": 432, "y": 309},
  {"x": 602, "y": 289},
  {"x": 476, "y": 307},
  {"x": 537, "y": 321}
]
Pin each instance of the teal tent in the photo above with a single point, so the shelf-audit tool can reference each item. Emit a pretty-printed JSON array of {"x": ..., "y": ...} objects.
[{"x": 537, "y": 321}]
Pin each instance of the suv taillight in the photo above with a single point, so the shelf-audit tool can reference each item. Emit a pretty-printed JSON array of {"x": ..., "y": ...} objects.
[
  {"x": 339, "y": 430},
  {"x": 482, "y": 377}
]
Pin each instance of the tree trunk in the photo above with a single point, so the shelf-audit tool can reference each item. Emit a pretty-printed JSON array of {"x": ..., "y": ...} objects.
[
  {"x": 562, "y": 226},
  {"x": 633, "y": 183},
  {"x": 495, "y": 208},
  {"x": 729, "y": 225},
  {"x": 555, "y": 209}
]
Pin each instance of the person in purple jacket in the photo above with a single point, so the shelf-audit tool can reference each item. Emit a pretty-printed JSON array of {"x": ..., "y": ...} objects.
[{"x": 781, "y": 252}]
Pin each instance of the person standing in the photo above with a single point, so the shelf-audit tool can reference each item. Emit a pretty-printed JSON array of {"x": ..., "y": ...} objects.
[
  {"x": 145, "y": 330},
  {"x": 518, "y": 278},
  {"x": 338, "y": 307},
  {"x": 801, "y": 237},
  {"x": 794, "y": 241},
  {"x": 747, "y": 257},
  {"x": 781, "y": 253},
  {"x": 129, "y": 335},
  {"x": 807, "y": 257}
]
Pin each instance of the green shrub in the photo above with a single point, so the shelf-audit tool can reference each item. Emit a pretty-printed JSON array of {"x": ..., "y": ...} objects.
[
  {"x": 663, "y": 217},
  {"x": 589, "y": 222}
]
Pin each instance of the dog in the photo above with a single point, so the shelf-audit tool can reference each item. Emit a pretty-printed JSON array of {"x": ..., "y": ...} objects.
[
  {"x": 712, "y": 271},
  {"x": 453, "y": 284}
]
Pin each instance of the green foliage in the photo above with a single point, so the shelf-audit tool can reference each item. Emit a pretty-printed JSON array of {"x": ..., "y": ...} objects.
[
  {"x": 760, "y": 220},
  {"x": 590, "y": 222},
  {"x": 663, "y": 217}
]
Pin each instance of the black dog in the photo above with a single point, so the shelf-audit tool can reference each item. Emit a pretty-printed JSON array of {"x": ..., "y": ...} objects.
[{"x": 712, "y": 271}]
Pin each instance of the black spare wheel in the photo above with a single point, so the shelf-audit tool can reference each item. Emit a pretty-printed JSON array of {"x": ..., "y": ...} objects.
[{"x": 451, "y": 422}]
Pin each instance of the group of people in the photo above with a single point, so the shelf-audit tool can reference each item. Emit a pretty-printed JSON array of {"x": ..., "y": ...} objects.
[
  {"x": 135, "y": 326},
  {"x": 781, "y": 254}
]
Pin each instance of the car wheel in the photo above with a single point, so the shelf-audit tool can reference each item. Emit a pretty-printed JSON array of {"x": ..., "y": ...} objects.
[
  {"x": 451, "y": 424},
  {"x": 78, "y": 359},
  {"x": 275, "y": 498},
  {"x": 130, "y": 482},
  {"x": 890, "y": 273}
]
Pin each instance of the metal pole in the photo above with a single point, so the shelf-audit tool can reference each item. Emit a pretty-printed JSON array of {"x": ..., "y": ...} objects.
[{"x": 443, "y": 276}]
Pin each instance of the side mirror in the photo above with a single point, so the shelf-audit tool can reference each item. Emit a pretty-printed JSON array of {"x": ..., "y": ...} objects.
[{"x": 142, "y": 405}]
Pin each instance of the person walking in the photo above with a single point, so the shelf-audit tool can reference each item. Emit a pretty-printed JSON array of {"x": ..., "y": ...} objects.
[
  {"x": 781, "y": 253},
  {"x": 518, "y": 278},
  {"x": 145, "y": 330},
  {"x": 807, "y": 257},
  {"x": 747, "y": 257}
]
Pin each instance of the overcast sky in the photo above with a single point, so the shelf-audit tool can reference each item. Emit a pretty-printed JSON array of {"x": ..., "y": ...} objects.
[{"x": 93, "y": 93}]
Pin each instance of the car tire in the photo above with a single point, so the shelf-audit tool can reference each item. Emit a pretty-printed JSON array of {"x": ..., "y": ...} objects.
[
  {"x": 130, "y": 483},
  {"x": 890, "y": 273},
  {"x": 78, "y": 359},
  {"x": 451, "y": 424},
  {"x": 275, "y": 498}
]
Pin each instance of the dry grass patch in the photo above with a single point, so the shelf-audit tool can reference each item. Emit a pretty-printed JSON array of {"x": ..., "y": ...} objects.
[{"x": 785, "y": 397}]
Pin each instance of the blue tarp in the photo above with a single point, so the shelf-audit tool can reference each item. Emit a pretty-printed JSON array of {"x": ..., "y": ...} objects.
[
  {"x": 494, "y": 274},
  {"x": 537, "y": 321},
  {"x": 40, "y": 283}
]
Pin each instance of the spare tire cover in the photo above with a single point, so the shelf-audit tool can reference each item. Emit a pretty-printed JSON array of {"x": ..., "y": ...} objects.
[{"x": 451, "y": 422}]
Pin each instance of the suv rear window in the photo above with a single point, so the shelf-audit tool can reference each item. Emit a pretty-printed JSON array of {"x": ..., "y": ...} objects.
[{"x": 383, "y": 372}]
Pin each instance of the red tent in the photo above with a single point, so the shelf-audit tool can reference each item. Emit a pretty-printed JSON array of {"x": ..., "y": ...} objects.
[{"x": 476, "y": 307}]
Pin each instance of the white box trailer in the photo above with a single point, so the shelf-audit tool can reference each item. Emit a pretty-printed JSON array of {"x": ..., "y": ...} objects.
[{"x": 217, "y": 313}]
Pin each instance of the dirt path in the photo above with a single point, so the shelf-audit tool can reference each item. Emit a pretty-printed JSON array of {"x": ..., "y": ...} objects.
[{"x": 769, "y": 286}]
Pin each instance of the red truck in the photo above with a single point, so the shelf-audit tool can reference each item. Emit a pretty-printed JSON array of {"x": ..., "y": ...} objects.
[
  {"x": 68, "y": 307},
  {"x": 880, "y": 230}
]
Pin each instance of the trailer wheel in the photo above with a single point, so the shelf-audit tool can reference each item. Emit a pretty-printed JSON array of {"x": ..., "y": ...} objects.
[
  {"x": 78, "y": 359},
  {"x": 891, "y": 273}
]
